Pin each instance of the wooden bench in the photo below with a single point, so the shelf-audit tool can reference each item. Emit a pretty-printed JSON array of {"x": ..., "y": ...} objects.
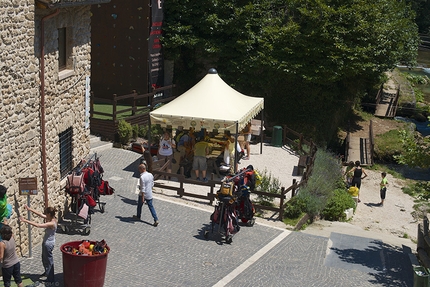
[{"x": 303, "y": 162}]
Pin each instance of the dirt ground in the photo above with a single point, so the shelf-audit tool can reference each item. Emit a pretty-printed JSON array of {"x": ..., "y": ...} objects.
[{"x": 397, "y": 218}]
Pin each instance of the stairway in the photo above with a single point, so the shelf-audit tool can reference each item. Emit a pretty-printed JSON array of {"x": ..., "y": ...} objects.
[{"x": 96, "y": 144}]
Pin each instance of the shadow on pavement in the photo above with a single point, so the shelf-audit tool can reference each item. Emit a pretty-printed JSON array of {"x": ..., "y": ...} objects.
[
  {"x": 132, "y": 167},
  {"x": 389, "y": 265}
]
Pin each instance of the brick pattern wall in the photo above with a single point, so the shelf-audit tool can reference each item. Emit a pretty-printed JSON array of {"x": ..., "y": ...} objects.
[{"x": 20, "y": 136}]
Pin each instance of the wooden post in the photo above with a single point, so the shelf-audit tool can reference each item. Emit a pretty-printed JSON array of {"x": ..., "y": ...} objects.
[
  {"x": 181, "y": 182},
  {"x": 148, "y": 158},
  {"x": 300, "y": 142},
  {"x": 114, "y": 108},
  {"x": 284, "y": 134},
  {"x": 261, "y": 131},
  {"x": 133, "y": 111},
  {"x": 293, "y": 190},
  {"x": 211, "y": 195},
  {"x": 281, "y": 205},
  {"x": 181, "y": 192}
]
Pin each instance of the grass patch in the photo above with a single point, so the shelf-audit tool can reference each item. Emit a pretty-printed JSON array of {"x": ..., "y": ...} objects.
[
  {"x": 293, "y": 221},
  {"x": 364, "y": 115},
  {"x": 388, "y": 145}
]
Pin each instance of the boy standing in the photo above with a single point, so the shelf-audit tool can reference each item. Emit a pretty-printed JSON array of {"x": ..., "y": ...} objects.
[{"x": 383, "y": 187}]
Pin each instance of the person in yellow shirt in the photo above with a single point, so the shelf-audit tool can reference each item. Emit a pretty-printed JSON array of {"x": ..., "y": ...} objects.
[
  {"x": 383, "y": 187},
  {"x": 201, "y": 150}
]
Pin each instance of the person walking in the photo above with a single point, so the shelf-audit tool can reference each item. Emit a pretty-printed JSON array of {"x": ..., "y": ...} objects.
[
  {"x": 357, "y": 175},
  {"x": 383, "y": 187},
  {"x": 48, "y": 243},
  {"x": 165, "y": 151},
  {"x": 11, "y": 266},
  {"x": 146, "y": 182}
]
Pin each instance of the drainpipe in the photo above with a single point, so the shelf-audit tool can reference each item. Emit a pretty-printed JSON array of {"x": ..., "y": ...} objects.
[{"x": 42, "y": 103}]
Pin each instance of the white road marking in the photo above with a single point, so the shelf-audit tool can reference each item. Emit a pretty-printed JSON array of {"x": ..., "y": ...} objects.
[{"x": 224, "y": 281}]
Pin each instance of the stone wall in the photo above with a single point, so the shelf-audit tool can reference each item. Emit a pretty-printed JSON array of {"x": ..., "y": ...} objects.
[{"x": 20, "y": 134}]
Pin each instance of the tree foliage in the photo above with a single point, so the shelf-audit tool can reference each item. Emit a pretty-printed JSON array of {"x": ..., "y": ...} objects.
[
  {"x": 311, "y": 60},
  {"x": 416, "y": 150}
]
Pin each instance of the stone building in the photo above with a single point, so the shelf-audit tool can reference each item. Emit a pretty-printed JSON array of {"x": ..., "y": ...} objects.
[{"x": 45, "y": 62}]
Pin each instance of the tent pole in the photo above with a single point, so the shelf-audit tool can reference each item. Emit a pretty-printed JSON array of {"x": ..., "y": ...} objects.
[
  {"x": 235, "y": 147},
  {"x": 261, "y": 131}
]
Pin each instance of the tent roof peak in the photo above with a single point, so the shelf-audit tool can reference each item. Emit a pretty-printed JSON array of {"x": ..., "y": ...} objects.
[{"x": 212, "y": 71}]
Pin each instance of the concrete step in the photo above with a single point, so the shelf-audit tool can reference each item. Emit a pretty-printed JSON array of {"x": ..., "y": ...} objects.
[{"x": 96, "y": 144}]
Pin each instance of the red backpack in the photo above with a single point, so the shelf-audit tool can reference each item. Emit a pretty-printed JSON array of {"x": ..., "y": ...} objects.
[
  {"x": 105, "y": 189},
  {"x": 75, "y": 183}
]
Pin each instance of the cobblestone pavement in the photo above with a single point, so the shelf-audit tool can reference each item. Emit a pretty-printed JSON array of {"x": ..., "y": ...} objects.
[{"x": 176, "y": 253}]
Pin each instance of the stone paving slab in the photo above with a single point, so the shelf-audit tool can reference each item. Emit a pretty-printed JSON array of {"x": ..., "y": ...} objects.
[
  {"x": 176, "y": 254},
  {"x": 299, "y": 260}
]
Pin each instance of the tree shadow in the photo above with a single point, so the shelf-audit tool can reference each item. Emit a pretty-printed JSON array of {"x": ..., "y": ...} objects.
[
  {"x": 410, "y": 172},
  {"x": 391, "y": 264},
  {"x": 353, "y": 124}
]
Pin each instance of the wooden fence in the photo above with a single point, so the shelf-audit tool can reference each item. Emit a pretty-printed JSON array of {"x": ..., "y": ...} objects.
[
  {"x": 213, "y": 185},
  {"x": 423, "y": 242},
  {"x": 140, "y": 107}
]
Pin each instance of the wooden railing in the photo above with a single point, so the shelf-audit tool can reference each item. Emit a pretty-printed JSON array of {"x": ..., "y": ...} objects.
[
  {"x": 214, "y": 185},
  {"x": 138, "y": 113}
]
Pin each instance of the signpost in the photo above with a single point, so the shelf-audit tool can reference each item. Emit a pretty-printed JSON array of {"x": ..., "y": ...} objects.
[{"x": 28, "y": 186}]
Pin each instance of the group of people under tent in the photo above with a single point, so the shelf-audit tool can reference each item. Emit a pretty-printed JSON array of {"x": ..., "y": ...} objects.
[{"x": 193, "y": 147}]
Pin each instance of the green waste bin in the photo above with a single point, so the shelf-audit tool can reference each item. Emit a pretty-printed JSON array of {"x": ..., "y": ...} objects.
[
  {"x": 277, "y": 136},
  {"x": 421, "y": 277}
]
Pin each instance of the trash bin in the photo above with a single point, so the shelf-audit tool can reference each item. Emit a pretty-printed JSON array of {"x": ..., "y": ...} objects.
[
  {"x": 277, "y": 136},
  {"x": 421, "y": 277},
  {"x": 83, "y": 270}
]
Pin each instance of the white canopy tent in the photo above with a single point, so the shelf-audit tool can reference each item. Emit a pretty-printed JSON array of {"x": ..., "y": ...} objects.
[{"x": 210, "y": 104}]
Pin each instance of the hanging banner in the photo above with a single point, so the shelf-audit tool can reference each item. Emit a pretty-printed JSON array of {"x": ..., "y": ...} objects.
[{"x": 156, "y": 65}]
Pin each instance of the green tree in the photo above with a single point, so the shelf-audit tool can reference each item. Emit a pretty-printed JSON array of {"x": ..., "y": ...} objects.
[
  {"x": 416, "y": 150},
  {"x": 311, "y": 60},
  {"x": 422, "y": 11}
]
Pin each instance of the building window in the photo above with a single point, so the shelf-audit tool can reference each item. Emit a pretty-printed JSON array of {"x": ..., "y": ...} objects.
[
  {"x": 66, "y": 160},
  {"x": 65, "y": 60}
]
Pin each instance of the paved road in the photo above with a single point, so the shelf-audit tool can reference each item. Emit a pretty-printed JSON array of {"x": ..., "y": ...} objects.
[{"x": 176, "y": 254}]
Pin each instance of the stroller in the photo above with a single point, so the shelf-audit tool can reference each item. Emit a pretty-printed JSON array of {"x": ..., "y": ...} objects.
[
  {"x": 85, "y": 185},
  {"x": 233, "y": 204},
  {"x": 225, "y": 214},
  {"x": 245, "y": 182}
]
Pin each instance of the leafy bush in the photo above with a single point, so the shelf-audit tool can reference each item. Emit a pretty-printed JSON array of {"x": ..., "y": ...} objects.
[
  {"x": 337, "y": 204},
  {"x": 135, "y": 130},
  {"x": 156, "y": 132},
  {"x": 268, "y": 184},
  {"x": 326, "y": 177},
  {"x": 419, "y": 189},
  {"x": 294, "y": 207},
  {"x": 125, "y": 131}
]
